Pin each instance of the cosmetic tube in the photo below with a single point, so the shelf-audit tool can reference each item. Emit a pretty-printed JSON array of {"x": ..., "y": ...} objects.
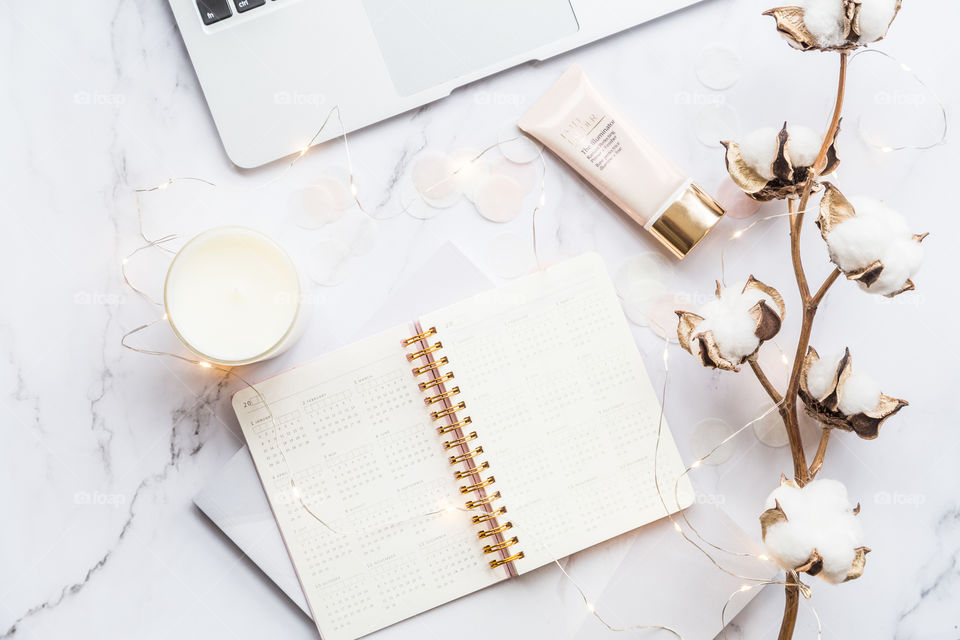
[{"x": 590, "y": 134}]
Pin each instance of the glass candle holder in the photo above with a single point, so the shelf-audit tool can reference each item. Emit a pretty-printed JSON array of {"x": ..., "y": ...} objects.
[{"x": 233, "y": 296}]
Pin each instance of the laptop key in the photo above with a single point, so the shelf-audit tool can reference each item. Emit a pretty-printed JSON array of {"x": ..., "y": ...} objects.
[
  {"x": 246, "y": 5},
  {"x": 213, "y": 10}
]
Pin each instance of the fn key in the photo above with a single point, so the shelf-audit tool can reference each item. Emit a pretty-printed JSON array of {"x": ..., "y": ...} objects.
[{"x": 213, "y": 10}]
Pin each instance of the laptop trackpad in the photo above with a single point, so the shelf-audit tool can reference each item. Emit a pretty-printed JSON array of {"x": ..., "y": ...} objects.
[{"x": 428, "y": 42}]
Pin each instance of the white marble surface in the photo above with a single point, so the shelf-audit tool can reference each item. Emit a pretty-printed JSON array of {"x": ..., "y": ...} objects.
[{"x": 102, "y": 449}]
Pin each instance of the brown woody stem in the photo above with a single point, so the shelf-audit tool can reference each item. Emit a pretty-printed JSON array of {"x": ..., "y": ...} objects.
[
  {"x": 788, "y": 409},
  {"x": 790, "y": 608},
  {"x": 817, "y": 463}
]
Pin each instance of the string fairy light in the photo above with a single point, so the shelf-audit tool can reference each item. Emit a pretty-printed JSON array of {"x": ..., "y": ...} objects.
[
  {"x": 446, "y": 509},
  {"x": 736, "y": 235},
  {"x": 941, "y": 106}
]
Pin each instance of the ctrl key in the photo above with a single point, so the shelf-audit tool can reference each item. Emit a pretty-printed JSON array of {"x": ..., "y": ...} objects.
[
  {"x": 214, "y": 10},
  {"x": 246, "y": 5}
]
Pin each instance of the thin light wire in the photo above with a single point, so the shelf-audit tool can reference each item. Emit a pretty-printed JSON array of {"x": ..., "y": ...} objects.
[
  {"x": 298, "y": 495},
  {"x": 739, "y": 233},
  {"x": 940, "y": 104}
]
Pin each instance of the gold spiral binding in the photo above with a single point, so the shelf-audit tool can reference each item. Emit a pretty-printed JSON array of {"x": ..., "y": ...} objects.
[
  {"x": 456, "y": 425},
  {"x": 473, "y": 504},
  {"x": 425, "y": 351},
  {"x": 441, "y": 396},
  {"x": 456, "y": 442},
  {"x": 492, "y": 532},
  {"x": 472, "y": 471},
  {"x": 483, "y": 517},
  {"x": 435, "y": 382},
  {"x": 449, "y": 411},
  {"x": 463, "y": 457},
  {"x": 493, "y": 548},
  {"x": 470, "y": 488},
  {"x": 420, "y": 336},
  {"x": 436, "y": 364},
  {"x": 499, "y": 563}
]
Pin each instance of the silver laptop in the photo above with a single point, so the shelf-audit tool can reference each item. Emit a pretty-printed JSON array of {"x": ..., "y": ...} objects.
[{"x": 272, "y": 69}]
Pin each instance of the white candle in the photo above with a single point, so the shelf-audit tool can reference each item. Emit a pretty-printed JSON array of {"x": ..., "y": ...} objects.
[{"x": 232, "y": 296}]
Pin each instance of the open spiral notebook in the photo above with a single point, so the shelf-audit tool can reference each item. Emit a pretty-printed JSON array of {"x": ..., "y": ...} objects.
[{"x": 521, "y": 418}]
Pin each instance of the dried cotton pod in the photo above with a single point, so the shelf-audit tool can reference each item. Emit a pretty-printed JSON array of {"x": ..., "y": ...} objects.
[
  {"x": 730, "y": 328},
  {"x": 840, "y": 398},
  {"x": 815, "y": 530},
  {"x": 870, "y": 243},
  {"x": 835, "y": 25},
  {"x": 769, "y": 164}
]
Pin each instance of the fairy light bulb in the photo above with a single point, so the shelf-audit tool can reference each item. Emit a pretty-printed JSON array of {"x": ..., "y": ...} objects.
[{"x": 590, "y": 607}]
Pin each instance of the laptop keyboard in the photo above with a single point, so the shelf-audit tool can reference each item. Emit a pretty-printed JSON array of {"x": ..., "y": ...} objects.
[{"x": 216, "y": 10}]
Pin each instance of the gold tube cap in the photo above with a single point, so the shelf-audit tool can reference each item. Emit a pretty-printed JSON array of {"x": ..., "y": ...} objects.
[{"x": 686, "y": 221}]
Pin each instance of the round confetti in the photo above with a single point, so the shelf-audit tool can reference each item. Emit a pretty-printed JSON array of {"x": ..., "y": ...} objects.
[
  {"x": 707, "y": 434},
  {"x": 638, "y": 298},
  {"x": 769, "y": 429},
  {"x": 718, "y": 67},
  {"x": 662, "y": 316},
  {"x": 517, "y": 147},
  {"x": 470, "y": 170},
  {"x": 323, "y": 201},
  {"x": 500, "y": 198},
  {"x": 734, "y": 201},
  {"x": 714, "y": 123},
  {"x": 435, "y": 181},
  {"x": 414, "y": 204},
  {"x": 328, "y": 262},
  {"x": 510, "y": 256},
  {"x": 526, "y": 175},
  {"x": 644, "y": 266}
]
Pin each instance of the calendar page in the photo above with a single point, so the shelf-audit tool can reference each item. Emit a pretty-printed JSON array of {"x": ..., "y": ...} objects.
[
  {"x": 366, "y": 462},
  {"x": 562, "y": 405}
]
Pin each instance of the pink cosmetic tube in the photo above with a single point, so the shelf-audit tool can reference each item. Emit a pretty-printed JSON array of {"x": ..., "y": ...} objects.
[{"x": 590, "y": 134}]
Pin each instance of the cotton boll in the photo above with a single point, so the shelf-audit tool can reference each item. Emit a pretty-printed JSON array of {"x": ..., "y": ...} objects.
[
  {"x": 790, "y": 546},
  {"x": 759, "y": 150},
  {"x": 819, "y": 517},
  {"x": 804, "y": 145},
  {"x": 824, "y": 19},
  {"x": 734, "y": 333},
  {"x": 875, "y": 18},
  {"x": 901, "y": 261},
  {"x": 728, "y": 318},
  {"x": 875, "y": 209},
  {"x": 820, "y": 376},
  {"x": 859, "y": 393},
  {"x": 859, "y": 242}
]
